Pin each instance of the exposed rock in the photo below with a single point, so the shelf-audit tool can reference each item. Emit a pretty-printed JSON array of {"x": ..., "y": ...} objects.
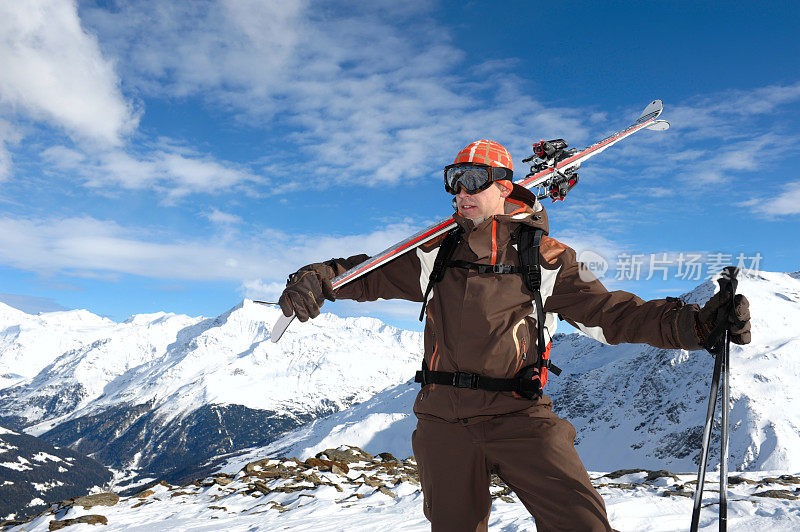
[
  {"x": 387, "y": 457},
  {"x": 783, "y": 480},
  {"x": 349, "y": 455},
  {"x": 676, "y": 493},
  {"x": 98, "y": 499},
  {"x": 326, "y": 465},
  {"x": 387, "y": 491},
  {"x": 374, "y": 482},
  {"x": 733, "y": 481},
  {"x": 778, "y": 494},
  {"x": 255, "y": 466},
  {"x": 263, "y": 488},
  {"x": 661, "y": 473},
  {"x": 622, "y": 472},
  {"x": 87, "y": 519},
  {"x": 223, "y": 481}
]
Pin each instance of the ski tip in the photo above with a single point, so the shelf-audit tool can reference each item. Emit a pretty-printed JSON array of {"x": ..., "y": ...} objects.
[
  {"x": 280, "y": 327},
  {"x": 651, "y": 111},
  {"x": 658, "y": 125}
]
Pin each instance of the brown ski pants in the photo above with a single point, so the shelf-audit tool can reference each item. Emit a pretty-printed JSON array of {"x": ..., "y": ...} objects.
[{"x": 533, "y": 454}]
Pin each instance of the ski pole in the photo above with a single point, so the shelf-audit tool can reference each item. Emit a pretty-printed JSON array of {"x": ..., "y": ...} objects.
[
  {"x": 721, "y": 351},
  {"x": 728, "y": 282}
]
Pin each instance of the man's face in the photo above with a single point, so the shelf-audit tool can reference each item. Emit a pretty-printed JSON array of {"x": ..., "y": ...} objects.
[{"x": 482, "y": 204}]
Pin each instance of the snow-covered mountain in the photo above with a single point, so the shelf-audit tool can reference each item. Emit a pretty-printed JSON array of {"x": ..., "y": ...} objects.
[
  {"x": 29, "y": 343},
  {"x": 163, "y": 393},
  {"x": 632, "y": 405}
]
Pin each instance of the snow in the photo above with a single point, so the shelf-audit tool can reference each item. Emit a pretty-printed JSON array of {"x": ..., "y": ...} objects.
[
  {"x": 44, "y": 486},
  {"x": 333, "y": 502},
  {"x": 29, "y": 343},
  {"x": 20, "y": 465},
  {"x": 43, "y": 457},
  {"x": 6, "y": 447},
  {"x": 35, "y": 502}
]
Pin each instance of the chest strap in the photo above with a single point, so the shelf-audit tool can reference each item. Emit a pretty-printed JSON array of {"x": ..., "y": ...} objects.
[{"x": 483, "y": 268}]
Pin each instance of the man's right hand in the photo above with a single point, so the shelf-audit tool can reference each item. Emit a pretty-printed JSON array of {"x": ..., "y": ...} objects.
[{"x": 306, "y": 290}]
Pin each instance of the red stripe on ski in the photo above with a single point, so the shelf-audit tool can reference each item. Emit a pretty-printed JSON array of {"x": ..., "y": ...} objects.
[{"x": 378, "y": 260}]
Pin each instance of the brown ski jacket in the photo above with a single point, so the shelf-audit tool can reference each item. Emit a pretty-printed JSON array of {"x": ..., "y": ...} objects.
[{"x": 486, "y": 323}]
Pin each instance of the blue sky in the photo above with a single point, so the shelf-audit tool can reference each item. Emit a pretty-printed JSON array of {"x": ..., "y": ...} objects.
[{"x": 182, "y": 156}]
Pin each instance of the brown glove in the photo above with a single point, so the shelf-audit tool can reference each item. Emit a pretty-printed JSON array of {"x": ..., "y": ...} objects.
[
  {"x": 738, "y": 317},
  {"x": 306, "y": 290}
]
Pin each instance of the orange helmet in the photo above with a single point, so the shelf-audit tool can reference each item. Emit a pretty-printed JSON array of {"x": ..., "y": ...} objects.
[
  {"x": 485, "y": 152},
  {"x": 490, "y": 153}
]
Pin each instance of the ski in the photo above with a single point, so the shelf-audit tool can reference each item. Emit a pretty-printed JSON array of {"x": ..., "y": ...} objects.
[{"x": 549, "y": 173}]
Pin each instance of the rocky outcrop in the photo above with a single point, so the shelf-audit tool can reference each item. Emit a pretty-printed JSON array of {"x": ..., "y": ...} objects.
[{"x": 272, "y": 490}]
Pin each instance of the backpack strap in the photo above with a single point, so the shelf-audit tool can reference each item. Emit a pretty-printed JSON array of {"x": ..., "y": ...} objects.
[
  {"x": 528, "y": 244},
  {"x": 446, "y": 251}
]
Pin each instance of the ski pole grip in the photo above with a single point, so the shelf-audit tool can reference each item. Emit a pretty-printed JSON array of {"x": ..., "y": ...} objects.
[{"x": 728, "y": 282}]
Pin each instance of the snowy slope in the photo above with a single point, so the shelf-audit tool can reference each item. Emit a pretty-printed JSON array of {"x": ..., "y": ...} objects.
[
  {"x": 633, "y": 405},
  {"x": 159, "y": 390}
]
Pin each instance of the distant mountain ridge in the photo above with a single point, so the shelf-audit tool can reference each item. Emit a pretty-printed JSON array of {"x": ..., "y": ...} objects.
[{"x": 163, "y": 393}]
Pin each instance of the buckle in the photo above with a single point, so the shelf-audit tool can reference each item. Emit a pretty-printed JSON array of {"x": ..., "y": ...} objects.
[
  {"x": 501, "y": 268},
  {"x": 465, "y": 380}
]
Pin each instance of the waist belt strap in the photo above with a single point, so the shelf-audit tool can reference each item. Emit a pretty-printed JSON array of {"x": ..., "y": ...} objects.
[{"x": 526, "y": 387}]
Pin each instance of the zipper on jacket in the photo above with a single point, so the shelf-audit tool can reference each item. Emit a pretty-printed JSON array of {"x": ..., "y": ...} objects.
[
  {"x": 494, "y": 240},
  {"x": 435, "y": 345}
]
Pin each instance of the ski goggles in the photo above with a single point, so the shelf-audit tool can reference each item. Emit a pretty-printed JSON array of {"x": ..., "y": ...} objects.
[{"x": 473, "y": 177}]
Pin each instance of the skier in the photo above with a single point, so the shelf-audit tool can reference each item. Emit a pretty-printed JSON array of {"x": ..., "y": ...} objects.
[{"x": 480, "y": 409}]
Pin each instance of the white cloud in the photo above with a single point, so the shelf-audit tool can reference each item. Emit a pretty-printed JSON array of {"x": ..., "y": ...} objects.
[
  {"x": 90, "y": 247},
  {"x": 177, "y": 171},
  {"x": 223, "y": 218},
  {"x": 786, "y": 203},
  {"x": 371, "y": 93},
  {"x": 264, "y": 291},
  {"x": 52, "y": 70}
]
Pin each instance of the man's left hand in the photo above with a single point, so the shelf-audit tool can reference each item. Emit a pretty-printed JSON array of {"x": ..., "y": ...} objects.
[{"x": 738, "y": 317}]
